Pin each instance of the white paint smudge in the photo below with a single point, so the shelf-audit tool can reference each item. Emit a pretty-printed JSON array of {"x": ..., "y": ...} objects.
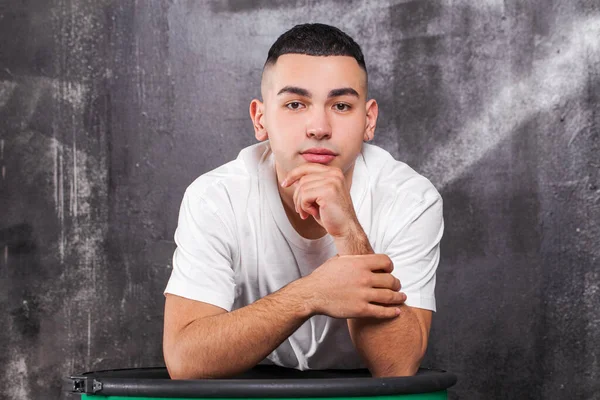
[
  {"x": 6, "y": 90},
  {"x": 61, "y": 203},
  {"x": 5, "y": 255},
  {"x": 17, "y": 375},
  {"x": 591, "y": 298},
  {"x": 553, "y": 79},
  {"x": 73, "y": 93},
  {"x": 2, "y": 158},
  {"x": 70, "y": 167},
  {"x": 89, "y": 336},
  {"x": 33, "y": 88},
  {"x": 54, "y": 145},
  {"x": 74, "y": 194}
]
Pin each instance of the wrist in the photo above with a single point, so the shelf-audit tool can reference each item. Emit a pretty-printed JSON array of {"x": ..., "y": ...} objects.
[
  {"x": 355, "y": 242},
  {"x": 301, "y": 295}
]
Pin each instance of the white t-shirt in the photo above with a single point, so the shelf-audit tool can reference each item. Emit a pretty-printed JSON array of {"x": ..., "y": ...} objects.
[{"x": 236, "y": 245}]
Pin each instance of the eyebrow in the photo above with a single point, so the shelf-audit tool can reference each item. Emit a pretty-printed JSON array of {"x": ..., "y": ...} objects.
[{"x": 348, "y": 91}]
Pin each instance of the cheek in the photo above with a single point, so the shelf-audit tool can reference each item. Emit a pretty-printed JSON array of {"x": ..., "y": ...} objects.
[
  {"x": 284, "y": 127},
  {"x": 351, "y": 128},
  {"x": 275, "y": 119}
]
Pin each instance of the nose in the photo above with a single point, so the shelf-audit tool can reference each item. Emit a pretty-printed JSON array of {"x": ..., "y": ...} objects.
[{"x": 318, "y": 126}]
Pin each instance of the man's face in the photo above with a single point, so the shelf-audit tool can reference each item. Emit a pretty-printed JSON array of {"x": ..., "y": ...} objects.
[{"x": 313, "y": 104}]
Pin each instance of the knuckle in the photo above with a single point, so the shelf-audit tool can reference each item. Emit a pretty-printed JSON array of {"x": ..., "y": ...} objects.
[
  {"x": 364, "y": 296},
  {"x": 365, "y": 280},
  {"x": 388, "y": 262},
  {"x": 363, "y": 309}
]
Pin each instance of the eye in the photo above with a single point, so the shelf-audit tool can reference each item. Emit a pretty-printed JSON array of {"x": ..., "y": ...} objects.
[
  {"x": 342, "y": 107},
  {"x": 294, "y": 105}
]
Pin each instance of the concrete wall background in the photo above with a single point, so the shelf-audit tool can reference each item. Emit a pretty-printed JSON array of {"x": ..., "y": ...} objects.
[{"x": 109, "y": 109}]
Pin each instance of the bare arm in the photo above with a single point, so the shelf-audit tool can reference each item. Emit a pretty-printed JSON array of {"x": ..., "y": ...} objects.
[
  {"x": 205, "y": 341},
  {"x": 385, "y": 357},
  {"x": 395, "y": 347}
]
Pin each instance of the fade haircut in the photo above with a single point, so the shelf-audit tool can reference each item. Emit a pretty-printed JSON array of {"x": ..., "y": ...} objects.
[{"x": 315, "y": 40}]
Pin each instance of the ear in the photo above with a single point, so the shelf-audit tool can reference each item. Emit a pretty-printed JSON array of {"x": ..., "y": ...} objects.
[
  {"x": 372, "y": 110},
  {"x": 257, "y": 115}
]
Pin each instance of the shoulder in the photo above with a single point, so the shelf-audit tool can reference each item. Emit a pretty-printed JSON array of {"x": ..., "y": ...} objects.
[
  {"x": 230, "y": 181},
  {"x": 393, "y": 179}
]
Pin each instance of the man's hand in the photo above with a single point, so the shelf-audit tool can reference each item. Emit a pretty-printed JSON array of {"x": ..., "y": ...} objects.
[
  {"x": 353, "y": 287},
  {"x": 321, "y": 191}
]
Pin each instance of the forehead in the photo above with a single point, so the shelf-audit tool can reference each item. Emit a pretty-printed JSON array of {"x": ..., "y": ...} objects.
[{"x": 318, "y": 74}]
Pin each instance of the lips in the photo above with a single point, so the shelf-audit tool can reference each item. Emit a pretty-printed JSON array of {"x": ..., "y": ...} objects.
[
  {"x": 316, "y": 150},
  {"x": 319, "y": 155}
]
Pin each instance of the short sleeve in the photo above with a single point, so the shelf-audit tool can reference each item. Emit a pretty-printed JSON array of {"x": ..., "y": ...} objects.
[
  {"x": 415, "y": 252},
  {"x": 202, "y": 262}
]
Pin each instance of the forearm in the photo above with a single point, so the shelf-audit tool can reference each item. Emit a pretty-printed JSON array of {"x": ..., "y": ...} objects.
[
  {"x": 390, "y": 347},
  {"x": 371, "y": 337},
  {"x": 356, "y": 243},
  {"x": 230, "y": 343}
]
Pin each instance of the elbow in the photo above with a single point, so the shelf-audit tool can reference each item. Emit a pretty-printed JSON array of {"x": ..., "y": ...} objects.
[
  {"x": 180, "y": 366},
  {"x": 176, "y": 365},
  {"x": 183, "y": 374},
  {"x": 177, "y": 370}
]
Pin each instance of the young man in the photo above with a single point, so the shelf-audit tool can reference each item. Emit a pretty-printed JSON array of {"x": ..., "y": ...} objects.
[{"x": 294, "y": 253}]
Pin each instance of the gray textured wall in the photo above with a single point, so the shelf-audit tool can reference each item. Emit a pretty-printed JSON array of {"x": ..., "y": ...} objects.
[{"x": 109, "y": 109}]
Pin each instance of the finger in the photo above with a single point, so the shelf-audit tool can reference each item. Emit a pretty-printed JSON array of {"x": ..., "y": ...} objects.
[
  {"x": 295, "y": 198},
  {"x": 318, "y": 177},
  {"x": 305, "y": 169},
  {"x": 378, "y": 262},
  {"x": 314, "y": 211},
  {"x": 385, "y": 281},
  {"x": 299, "y": 172},
  {"x": 307, "y": 198},
  {"x": 381, "y": 312},
  {"x": 298, "y": 192},
  {"x": 386, "y": 297}
]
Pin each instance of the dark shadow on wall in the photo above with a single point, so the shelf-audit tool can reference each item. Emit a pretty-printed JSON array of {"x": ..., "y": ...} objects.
[
  {"x": 488, "y": 285},
  {"x": 17, "y": 239},
  {"x": 514, "y": 291},
  {"x": 419, "y": 96},
  {"x": 20, "y": 55}
]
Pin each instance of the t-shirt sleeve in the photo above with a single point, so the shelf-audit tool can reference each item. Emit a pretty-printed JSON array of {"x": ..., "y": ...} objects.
[
  {"x": 415, "y": 252},
  {"x": 202, "y": 261}
]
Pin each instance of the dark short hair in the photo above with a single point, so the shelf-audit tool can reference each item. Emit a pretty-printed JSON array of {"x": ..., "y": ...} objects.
[{"x": 316, "y": 40}]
